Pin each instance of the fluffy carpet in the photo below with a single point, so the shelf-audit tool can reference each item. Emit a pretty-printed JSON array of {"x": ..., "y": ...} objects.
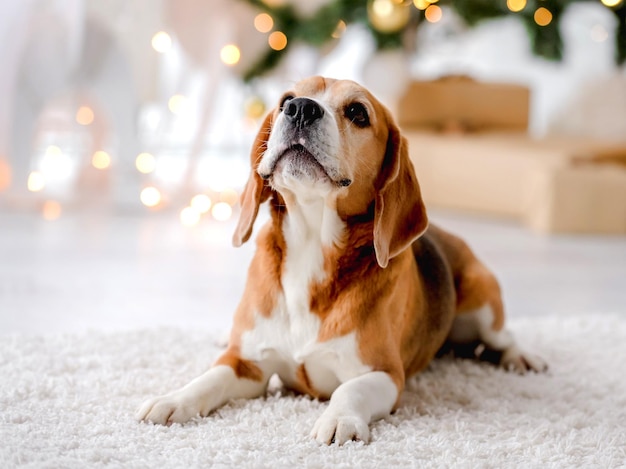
[{"x": 68, "y": 401}]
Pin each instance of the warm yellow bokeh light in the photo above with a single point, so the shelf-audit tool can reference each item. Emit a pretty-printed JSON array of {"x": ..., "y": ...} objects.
[
  {"x": 55, "y": 164},
  {"x": 433, "y": 13},
  {"x": 36, "y": 181},
  {"x": 611, "y": 3},
  {"x": 230, "y": 196},
  {"x": 255, "y": 107},
  {"x": 274, "y": 3},
  {"x": 388, "y": 16},
  {"x": 84, "y": 115},
  {"x": 5, "y": 174},
  {"x": 543, "y": 17},
  {"x": 201, "y": 202},
  {"x": 150, "y": 196},
  {"x": 516, "y": 5},
  {"x": 177, "y": 104},
  {"x": 263, "y": 23},
  {"x": 53, "y": 151},
  {"x": 51, "y": 210},
  {"x": 189, "y": 216},
  {"x": 382, "y": 7},
  {"x": 230, "y": 54},
  {"x": 145, "y": 163},
  {"x": 101, "y": 160},
  {"x": 161, "y": 42},
  {"x": 277, "y": 40},
  {"x": 222, "y": 211},
  {"x": 339, "y": 30},
  {"x": 421, "y": 4}
]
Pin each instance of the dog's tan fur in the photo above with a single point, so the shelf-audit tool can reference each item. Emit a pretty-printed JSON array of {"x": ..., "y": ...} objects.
[{"x": 389, "y": 291}]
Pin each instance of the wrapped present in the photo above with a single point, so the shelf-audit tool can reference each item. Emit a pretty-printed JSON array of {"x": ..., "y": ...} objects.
[
  {"x": 460, "y": 104},
  {"x": 467, "y": 159}
]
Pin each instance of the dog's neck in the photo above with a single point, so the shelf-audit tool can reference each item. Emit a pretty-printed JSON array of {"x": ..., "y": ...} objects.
[
  {"x": 312, "y": 219},
  {"x": 307, "y": 230}
]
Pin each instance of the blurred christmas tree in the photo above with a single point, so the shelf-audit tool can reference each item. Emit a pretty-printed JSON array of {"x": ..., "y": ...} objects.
[{"x": 391, "y": 22}]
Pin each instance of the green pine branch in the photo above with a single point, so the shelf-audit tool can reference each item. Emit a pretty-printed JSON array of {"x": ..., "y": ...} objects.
[{"x": 546, "y": 40}]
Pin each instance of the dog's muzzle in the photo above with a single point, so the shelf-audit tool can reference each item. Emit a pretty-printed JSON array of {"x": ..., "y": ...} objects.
[{"x": 301, "y": 119}]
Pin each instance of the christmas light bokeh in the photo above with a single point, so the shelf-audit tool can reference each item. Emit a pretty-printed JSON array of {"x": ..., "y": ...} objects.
[{"x": 183, "y": 144}]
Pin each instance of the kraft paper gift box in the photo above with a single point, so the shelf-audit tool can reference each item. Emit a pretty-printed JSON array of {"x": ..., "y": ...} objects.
[
  {"x": 549, "y": 187},
  {"x": 466, "y": 158}
]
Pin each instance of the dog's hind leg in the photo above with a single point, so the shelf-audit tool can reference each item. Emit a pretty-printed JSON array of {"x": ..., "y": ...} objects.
[{"x": 480, "y": 321}]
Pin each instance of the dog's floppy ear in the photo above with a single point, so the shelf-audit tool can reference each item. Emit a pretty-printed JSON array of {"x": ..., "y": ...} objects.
[
  {"x": 399, "y": 212},
  {"x": 256, "y": 190}
]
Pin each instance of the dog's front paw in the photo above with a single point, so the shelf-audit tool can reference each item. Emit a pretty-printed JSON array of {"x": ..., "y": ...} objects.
[
  {"x": 339, "y": 427},
  {"x": 168, "y": 409}
]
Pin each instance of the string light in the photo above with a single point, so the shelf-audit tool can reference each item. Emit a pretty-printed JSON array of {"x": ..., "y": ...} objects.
[
  {"x": 543, "y": 17},
  {"x": 201, "y": 203},
  {"x": 55, "y": 163},
  {"x": 611, "y": 3},
  {"x": 36, "y": 181},
  {"x": 263, "y": 23},
  {"x": 189, "y": 216},
  {"x": 177, "y": 104},
  {"x": 51, "y": 210},
  {"x": 516, "y": 5},
  {"x": 84, "y": 115},
  {"x": 433, "y": 13},
  {"x": 145, "y": 163},
  {"x": 222, "y": 211},
  {"x": 150, "y": 196},
  {"x": 101, "y": 160},
  {"x": 161, "y": 42},
  {"x": 230, "y": 54},
  {"x": 53, "y": 151},
  {"x": 421, "y": 4},
  {"x": 277, "y": 40}
]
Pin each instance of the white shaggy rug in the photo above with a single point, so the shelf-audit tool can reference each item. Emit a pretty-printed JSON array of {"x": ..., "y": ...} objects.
[{"x": 68, "y": 401}]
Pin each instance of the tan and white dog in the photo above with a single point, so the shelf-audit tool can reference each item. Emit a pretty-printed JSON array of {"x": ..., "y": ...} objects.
[{"x": 349, "y": 292}]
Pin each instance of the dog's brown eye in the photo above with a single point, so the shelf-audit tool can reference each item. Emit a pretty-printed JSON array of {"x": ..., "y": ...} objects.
[
  {"x": 285, "y": 100},
  {"x": 357, "y": 114}
]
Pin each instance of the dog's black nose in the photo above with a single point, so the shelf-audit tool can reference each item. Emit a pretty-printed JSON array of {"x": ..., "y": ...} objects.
[{"x": 303, "y": 111}]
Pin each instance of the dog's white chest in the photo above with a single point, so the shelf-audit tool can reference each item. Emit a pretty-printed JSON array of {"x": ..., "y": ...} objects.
[
  {"x": 288, "y": 339},
  {"x": 283, "y": 346}
]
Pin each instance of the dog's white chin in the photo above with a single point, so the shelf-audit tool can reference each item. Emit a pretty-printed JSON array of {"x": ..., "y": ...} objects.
[
  {"x": 301, "y": 165},
  {"x": 300, "y": 172}
]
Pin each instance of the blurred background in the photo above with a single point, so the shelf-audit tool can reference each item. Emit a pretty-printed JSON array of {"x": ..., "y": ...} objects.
[{"x": 125, "y": 127}]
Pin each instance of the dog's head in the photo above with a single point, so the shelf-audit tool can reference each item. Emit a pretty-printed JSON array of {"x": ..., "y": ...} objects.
[{"x": 332, "y": 139}]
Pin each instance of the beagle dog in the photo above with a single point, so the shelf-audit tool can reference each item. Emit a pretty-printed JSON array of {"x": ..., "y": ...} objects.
[{"x": 349, "y": 292}]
